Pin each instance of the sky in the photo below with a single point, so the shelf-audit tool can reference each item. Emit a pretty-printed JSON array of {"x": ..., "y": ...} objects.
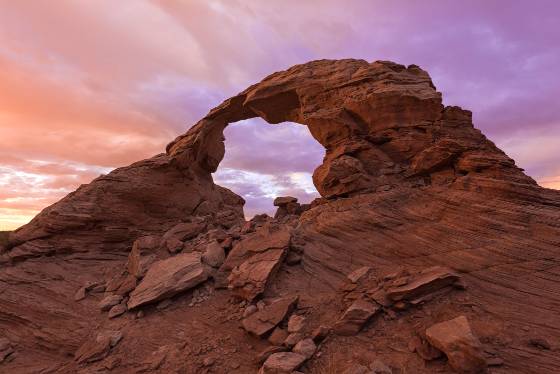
[{"x": 87, "y": 86}]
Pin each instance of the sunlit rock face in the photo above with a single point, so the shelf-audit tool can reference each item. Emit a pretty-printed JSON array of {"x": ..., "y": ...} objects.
[{"x": 422, "y": 220}]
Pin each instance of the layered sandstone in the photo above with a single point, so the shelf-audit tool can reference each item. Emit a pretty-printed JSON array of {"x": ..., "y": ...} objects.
[{"x": 422, "y": 220}]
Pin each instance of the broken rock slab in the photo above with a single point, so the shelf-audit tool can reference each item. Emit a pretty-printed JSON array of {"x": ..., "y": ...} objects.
[
  {"x": 355, "y": 317},
  {"x": 263, "y": 321},
  {"x": 167, "y": 278},
  {"x": 250, "y": 278},
  {"x": 282, "y": 362},
  {"x": 457, "y": 341}
]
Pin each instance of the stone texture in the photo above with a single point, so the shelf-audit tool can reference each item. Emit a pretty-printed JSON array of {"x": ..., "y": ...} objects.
[
  {"x": 462, "y": 348},
  {"x": 167, "y": 278}
]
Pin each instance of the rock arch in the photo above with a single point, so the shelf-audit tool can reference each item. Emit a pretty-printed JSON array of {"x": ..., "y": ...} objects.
[{"x": 350, "y": 106}]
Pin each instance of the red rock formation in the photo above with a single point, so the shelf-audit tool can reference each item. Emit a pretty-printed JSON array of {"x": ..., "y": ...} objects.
[{"x": 422, "y": 220}]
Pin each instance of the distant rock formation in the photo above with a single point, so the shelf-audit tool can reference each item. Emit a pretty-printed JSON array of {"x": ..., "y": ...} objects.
[{"x": 428, "y": 243}]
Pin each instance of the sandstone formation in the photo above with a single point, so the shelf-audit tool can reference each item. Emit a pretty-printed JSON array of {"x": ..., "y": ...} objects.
[{"x": 423, "y": 224}]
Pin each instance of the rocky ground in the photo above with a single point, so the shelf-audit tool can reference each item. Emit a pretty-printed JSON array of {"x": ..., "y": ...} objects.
[{"x": 429, "y": 250}]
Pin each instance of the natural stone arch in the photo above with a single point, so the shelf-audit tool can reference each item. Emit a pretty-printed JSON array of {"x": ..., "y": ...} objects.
[{"x": 351, "y": 108}]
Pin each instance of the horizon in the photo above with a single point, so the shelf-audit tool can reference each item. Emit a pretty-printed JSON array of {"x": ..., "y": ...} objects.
[{"x": 91, "y": 87}]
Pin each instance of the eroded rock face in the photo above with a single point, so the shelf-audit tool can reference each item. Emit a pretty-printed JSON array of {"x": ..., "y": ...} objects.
[{"x": 413, "y": 198}]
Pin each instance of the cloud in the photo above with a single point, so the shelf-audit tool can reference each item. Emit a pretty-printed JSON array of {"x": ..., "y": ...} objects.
[{"x": 95, "y": 85}]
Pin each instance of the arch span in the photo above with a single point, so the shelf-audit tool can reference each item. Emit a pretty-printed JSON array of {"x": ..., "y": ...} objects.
[{"x": 364, "y": 115}]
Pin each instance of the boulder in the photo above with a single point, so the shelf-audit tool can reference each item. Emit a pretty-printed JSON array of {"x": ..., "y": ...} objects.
[
  {"x": 253, "y": 261},
  {"x": 263, "y": 321},
  {"x": 457, "y": 341},
  {"x": 355, "y": 317},
  {"x": 167, "y": 278},
  {"x": 282, "y": 362}
]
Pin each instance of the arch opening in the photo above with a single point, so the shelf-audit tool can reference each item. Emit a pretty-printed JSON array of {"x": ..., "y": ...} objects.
[{"x": 263, "y": 161}]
